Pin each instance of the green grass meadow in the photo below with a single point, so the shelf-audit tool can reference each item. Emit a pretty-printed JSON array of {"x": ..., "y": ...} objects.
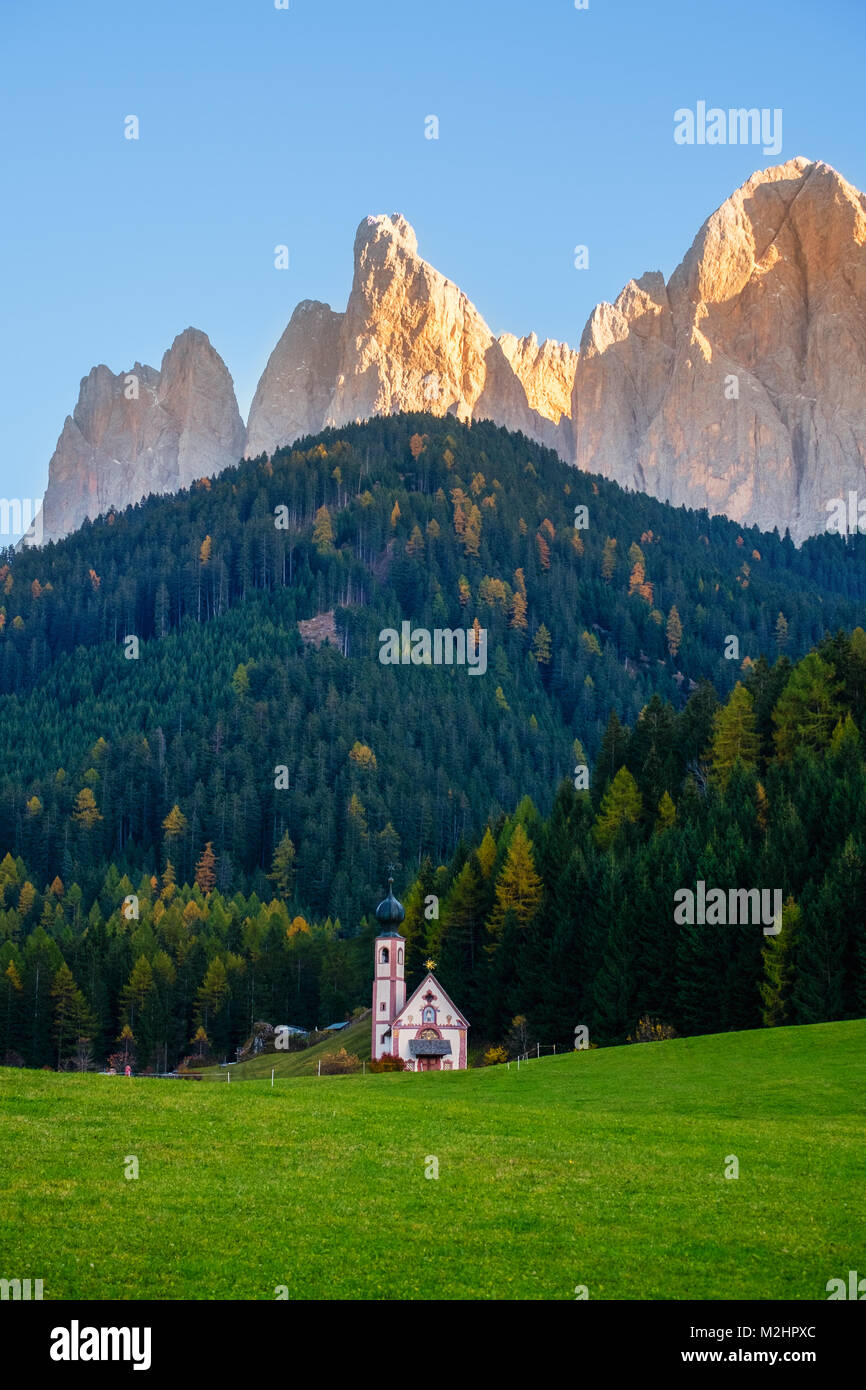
[{"x": 602, "y": 1168}]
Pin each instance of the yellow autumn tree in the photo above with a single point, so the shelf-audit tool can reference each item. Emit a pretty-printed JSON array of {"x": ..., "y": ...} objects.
[
  {"x": 363, "y": 756},
  {"x": 323, "y": 531},
  {"x": 487, "y": 853},
  {"x": 518, "y": 887},
  {"x": 86, "y": 811}
]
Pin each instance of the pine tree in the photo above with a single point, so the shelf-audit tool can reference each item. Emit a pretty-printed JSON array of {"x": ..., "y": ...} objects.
[
  {"x": 667, "y": 813},
  {"x": 541, "y": 646},
  {"x": 323, "y": 531},
  {"x": 674, "y": 631},
  {"x": 72, "y": 1018},
  {"x": 779, "y": 955},
  {"x": 175, "y": 824},
  {"x": 283, "y": 867},
  {"x": 621, "y": 805},
  {"x": 212, "y": 994},
  {"x": 612, "y": 754},
  {"x": 808, "y": 709},
  {"x": 735, "y": 738},
  {"x": 608, "y": 561},
  {"x": 518, "y": 887}
]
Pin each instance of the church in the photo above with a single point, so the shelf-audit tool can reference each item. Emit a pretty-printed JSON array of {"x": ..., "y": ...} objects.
[{"x": 427, "y": 1030}]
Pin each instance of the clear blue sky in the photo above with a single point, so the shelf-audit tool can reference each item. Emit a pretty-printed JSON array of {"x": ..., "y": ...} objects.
[{"x": 262, "y": 126}]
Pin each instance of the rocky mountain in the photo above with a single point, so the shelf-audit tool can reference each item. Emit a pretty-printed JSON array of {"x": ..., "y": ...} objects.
[
  {"x": 740, "y": 385},
  {"x": 409, "y": 340},
  {"x": 143, "y": 431},
  {"x": 294, "y": 394}
]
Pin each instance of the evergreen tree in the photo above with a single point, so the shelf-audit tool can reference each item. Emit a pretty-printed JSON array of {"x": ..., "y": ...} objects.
[{"x": 621, "y": 805}]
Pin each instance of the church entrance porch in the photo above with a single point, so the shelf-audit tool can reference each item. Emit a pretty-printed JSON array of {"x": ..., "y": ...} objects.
[{"x": 428, "y": 1064}]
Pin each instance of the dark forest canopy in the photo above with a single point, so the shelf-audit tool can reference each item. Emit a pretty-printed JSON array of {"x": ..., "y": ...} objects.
[
  {"x": 249, "y": 788},
  {"x": 536, "y": 925},
  {"x": 409, "y": 517}
]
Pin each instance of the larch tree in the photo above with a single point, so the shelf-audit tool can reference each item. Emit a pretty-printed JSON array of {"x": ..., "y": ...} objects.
[
  {"x": 323, "y": 531},
  {"x": 674, "y": 630},
  {"x": 518, "y": 887},
  {"x": 621, "y": 805},
  {"x": 205, "y": 876},
  {"x": 283, "y": 867},
  {"x": 735, "y": 736}
]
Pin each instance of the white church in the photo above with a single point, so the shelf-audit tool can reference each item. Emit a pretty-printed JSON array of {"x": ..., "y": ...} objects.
[{"x": 427, "y": 1030}]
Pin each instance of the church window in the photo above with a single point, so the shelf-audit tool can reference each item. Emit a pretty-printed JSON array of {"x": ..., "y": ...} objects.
[
  {"x": 381, "y": 1008},
  {"x": 383, "y": 955},
  {"x": 400, "y": 957}
]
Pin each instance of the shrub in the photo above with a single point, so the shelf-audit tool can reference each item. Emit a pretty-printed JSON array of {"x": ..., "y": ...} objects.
[
  {"x": 339, "y": 1063},
  {"x": 494, "y": 1056},
  {"x": 388, "y": 1063},
  {"x": 651, "y": 1030}
]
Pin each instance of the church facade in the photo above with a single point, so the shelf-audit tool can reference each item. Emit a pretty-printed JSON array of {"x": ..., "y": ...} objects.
[{"x": 427, "y": 1030}]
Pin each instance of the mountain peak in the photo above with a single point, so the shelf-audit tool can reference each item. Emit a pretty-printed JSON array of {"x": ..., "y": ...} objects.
[
  {"x": 143, "y": 431},
  {"x": 394, "y": 228},
  {"x": 738, "y": 386}
]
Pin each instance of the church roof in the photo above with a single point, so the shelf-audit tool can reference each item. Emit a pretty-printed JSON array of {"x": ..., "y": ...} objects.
[
  {"x": 429, "y": 1047},
  {"x": 431, "y": 979}
]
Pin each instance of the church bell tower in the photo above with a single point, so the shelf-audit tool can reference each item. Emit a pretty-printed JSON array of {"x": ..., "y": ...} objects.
[{"x": 389, "y": 979}]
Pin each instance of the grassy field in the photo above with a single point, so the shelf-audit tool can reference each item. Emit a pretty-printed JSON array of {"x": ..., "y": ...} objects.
[{"x": 602, "y": 1168}]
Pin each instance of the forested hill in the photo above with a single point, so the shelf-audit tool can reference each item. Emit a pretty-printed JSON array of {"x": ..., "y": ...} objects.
[{"x": 410, "y": 517}]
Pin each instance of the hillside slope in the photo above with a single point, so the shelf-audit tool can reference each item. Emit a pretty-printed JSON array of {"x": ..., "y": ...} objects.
[
  {"x": 155, "y": 659},
  {"x": 603, "y": 1169}
]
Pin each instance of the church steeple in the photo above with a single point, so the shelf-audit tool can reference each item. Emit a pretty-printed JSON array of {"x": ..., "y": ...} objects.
[
  {"x": 389, "y": 982},
  {"x": 390, "y": 912}
]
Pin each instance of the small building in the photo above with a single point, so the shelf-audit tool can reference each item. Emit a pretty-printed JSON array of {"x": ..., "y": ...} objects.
[{"x": 428, "y": 1031}]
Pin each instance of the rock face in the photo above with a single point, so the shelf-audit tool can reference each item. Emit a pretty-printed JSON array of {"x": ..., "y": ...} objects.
[
  {"x": 294, "y": 394},
  {"x": 143, "y": 431},
  {"x": 741, "y": 386},
  {"x": 413, "y": 341},
  {"x": 546, "y": 372},
  {"x": 409, "y": 340}
]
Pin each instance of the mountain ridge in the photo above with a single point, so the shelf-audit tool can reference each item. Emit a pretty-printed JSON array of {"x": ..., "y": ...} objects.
[{"x": 736, "y": 385}]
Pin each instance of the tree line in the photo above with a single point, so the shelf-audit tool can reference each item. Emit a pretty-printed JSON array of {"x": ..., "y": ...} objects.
[{"x": 554, "y": 920}]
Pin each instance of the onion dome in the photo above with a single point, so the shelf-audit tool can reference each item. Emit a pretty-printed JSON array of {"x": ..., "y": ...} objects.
[{"x": 390, "y": 913}]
